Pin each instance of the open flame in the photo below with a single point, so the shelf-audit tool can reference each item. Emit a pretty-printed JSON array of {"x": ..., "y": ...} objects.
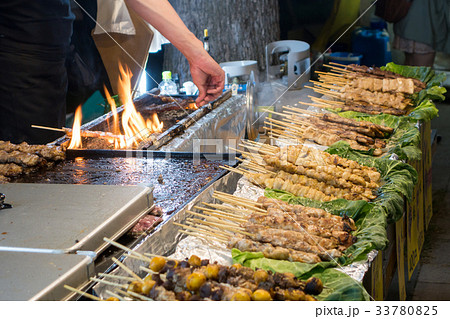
[
  {"x": 133, "y": 128},
  {"x": 75, "y": 141}
]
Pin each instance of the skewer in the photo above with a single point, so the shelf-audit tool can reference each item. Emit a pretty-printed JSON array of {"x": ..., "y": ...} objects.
[
  {"x": 106, "y": 282},
  {"x": 196, "y": 230},
  {"x": 205, "y": 237},
  {"x": 49, "y": 128},
  {"x": 125, "y": 248},
  {"x": 261, "y": 144},
  {"x": 254, "y": 166},
  {"x": 233, "y": 229},
  {"x": 259, "y": 150},
  {"x": 84, "y": 133},
  {"x": 211, "y": 217},
  {"x": 219, "y": 213},
  {"x": 234, "y": 209},
  {"x": 245, "y": 153},
  {"x": 116, "y": 277},
  {"x": 85, "y": 294},
  {"x": 109, "y": 292},
  {"x": 136, "y": 295},
  {"x": 128, "y": 270},
  {"x": 235, "y": 170},
  {"x": 280, "y": 133},
  {"x": 248, "y": 206},
  {"x": 225, "y": 235},
  {"x": 215, "y": 224},
  {"x": 155, "y": 255},
  {"x": 241, "y": 199}
]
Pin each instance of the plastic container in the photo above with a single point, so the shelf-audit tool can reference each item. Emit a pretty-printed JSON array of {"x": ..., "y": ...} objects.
[
  {"x": 343, "y": 58},
  {"x": 374, "y": 46},
  {"x": 167, "y": 86}
]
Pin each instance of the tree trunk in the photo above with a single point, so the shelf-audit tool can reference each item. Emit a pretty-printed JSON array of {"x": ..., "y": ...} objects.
[{"x": 238, "y": 30}]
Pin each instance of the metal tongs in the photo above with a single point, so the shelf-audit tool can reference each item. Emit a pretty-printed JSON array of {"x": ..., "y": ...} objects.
[{"x": 2, "y": 202}]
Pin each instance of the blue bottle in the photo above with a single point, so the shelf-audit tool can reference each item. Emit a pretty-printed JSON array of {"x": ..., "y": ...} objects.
[{"x": 373, "y": 44}]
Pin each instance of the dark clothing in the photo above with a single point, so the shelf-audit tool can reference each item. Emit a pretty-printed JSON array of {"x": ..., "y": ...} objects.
[
  {"x": 41, "y": 22},
  {"x": 33, "y": 85},
  {"x": 34, "y": 40}
]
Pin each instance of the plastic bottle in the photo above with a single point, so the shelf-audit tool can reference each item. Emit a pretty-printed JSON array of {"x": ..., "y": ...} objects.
[{"x": 167, "y": 86}]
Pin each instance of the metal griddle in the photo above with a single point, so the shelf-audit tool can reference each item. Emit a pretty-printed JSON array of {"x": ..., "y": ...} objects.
[
  {"x": 29, "y": 276},
  {"x": 70, "y": 217}
]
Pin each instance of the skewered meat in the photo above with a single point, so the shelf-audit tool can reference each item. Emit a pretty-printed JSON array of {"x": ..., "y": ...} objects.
[
  {"x": 10, "y": 170},
  {"x": 382, "y": 73},
  {"x": 270, "y": 251},
  {"x": 293, "y": 240},
  {"x": 17, "y": 157},
  {"x": 393, "y": 100},
  {"x": 376, "y": 128}
]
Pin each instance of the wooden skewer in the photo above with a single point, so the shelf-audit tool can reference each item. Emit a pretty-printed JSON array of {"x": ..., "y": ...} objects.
[
  {"x": 196, "y": 230},
  {"x": 242, "y": 199},
  {"x": 110, "y": 283},
  {"x": 84, "y": 133},
  {"x": 202, "y": 236},
  {"x": 234, "y": 209},
  {"x": 259, "y": 150},
  {"x": 235, "y": 170},
  {"x": 154, "y": 255},
  {"x": 280, "y": 133},
  {"x": 109, "y": 292},
  {"x": 219, "y": 213},
  {"x": 219, "y": 232},
  {"x": 227, "y": 198},
  {"x": 139, "y": 296},
  {"x": 128, "y": 270},
  {"x": 136, "y": 257},
  {"x": 244, "y": 204},
  {"x": 215, "y": 224},
  {"x": 147, "y": 270},
  {"x": 212, "y": 218},
  {"x": 116, "y": 277},
  {"x": 85, "y": 294},
  {"x": 233, "y": 229},
  {"x": 125, "y": 248},
  {"x": 275, "y": 148}
]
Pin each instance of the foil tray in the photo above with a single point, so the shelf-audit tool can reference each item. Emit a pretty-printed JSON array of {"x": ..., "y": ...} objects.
[{"x": 167, "y": 241}]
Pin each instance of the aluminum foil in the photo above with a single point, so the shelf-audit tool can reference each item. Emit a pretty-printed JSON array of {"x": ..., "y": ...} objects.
[{"x": 216, "y": 131}]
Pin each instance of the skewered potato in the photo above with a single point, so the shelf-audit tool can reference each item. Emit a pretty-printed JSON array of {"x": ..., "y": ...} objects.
[
  {"x": 261, "y": 295},
  {"x": 195, "y": 281},
  {"x": 157, "y": 263}
]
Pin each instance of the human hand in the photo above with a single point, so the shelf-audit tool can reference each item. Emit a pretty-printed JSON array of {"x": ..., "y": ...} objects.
[{"x": 209, "y": 78}]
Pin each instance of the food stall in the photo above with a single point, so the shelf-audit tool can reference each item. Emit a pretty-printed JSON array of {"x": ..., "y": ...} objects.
[{"x": 319, "y": 208}]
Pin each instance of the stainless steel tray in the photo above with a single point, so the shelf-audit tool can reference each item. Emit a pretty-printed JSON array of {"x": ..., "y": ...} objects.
[
  {"x": 70, "y": 217},
  {"x": 30, "y": 276}
]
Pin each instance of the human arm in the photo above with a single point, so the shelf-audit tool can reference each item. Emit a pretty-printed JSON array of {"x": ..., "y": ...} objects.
[{"x": 207, "y": 75}]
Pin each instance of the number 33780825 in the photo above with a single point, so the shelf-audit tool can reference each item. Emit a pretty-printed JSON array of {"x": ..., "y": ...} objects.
[{"x": 406, "y": 310}]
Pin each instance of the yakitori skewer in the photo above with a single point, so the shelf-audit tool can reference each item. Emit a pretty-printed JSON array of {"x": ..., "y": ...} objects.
[
  {"x": 84, "y": 133},
  {"x": 83, "y": 293}
]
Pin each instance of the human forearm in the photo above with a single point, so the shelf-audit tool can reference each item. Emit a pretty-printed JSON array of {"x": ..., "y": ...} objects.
[{"x": 161, "y": 15}]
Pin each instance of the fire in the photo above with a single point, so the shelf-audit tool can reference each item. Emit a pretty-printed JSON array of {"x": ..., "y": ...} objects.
[
  {"x": 132, "y": 129},
  {"x": 192, "y": 106},
  {"x": 135, "y": 129},
  {"x": 75, "y": 141}
]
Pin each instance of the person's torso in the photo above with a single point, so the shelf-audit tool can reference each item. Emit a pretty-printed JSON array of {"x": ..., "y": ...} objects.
[{"x": 40, "y": 22}]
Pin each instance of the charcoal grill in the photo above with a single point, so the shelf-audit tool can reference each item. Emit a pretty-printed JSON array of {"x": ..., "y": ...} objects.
[{"x": 155, "y": 141}]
